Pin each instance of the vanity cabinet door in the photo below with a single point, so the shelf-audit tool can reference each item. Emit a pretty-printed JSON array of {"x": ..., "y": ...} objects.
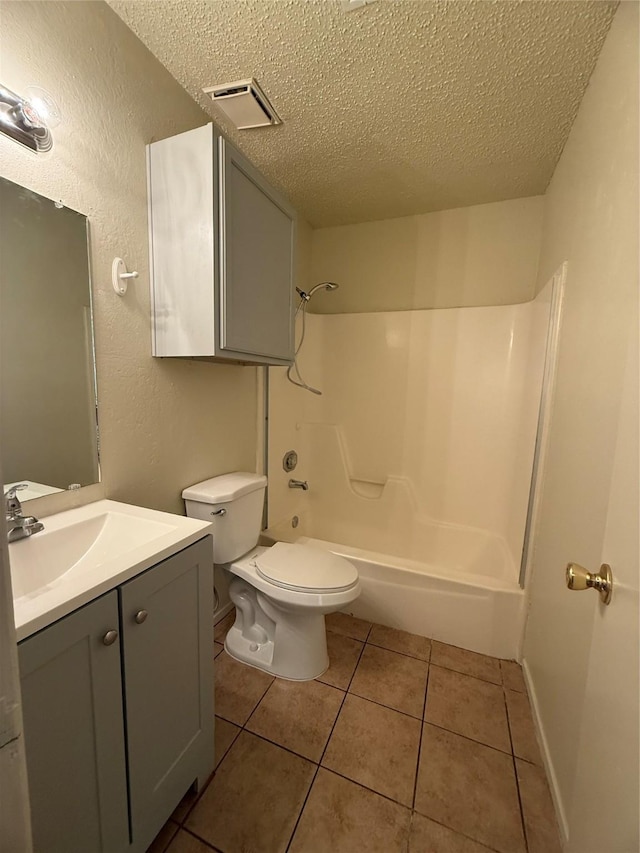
[
  {"x": 167, "y": 626},
  {"x": 74, "y": 734}
]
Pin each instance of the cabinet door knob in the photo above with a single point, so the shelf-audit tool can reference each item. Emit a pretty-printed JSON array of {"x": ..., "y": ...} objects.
[
  {"x": 140, "y": 616},
  {"x": 110, "y": 637}
]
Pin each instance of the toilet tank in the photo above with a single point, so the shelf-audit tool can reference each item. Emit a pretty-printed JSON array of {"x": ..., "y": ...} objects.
[{"x": 233, "y": 503}]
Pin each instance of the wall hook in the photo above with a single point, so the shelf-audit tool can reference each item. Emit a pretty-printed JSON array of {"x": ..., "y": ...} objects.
[{"x": 120, "y": 277}]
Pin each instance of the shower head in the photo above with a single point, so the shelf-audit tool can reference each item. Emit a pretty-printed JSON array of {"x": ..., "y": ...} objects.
[
  {"x": 328, "y": 285},
  {"x": 302, "y": 309}
]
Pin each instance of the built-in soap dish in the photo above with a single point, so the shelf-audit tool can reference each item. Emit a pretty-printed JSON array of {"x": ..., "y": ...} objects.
[{"x": 370, "y": 489}]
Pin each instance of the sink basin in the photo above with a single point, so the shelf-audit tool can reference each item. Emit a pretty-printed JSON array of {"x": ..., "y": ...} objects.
[
  {"x": 50, "y": 556},
  {"x": 84, "y": 552}
]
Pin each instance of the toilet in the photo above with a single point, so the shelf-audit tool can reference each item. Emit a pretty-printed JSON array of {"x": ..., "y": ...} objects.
[{"x": 281, "y": 593}]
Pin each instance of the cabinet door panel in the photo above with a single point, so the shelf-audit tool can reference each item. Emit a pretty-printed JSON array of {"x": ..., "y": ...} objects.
[
  {"x": 257, "y": 257},
  {"x": 183, "y": 242},
  {"x": 74, "y": 733},
  {"x": 168, "y": 674}
]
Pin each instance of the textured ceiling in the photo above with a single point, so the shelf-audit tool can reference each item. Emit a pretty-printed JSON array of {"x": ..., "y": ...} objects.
[{"x": 399, "y": 107}]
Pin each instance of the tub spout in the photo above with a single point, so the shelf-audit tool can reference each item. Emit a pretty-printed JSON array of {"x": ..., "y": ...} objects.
[{"x": 299, "y": 484}]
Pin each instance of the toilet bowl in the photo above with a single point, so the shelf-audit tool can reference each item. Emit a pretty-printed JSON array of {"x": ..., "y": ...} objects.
[{"x": 281, "y": 593}]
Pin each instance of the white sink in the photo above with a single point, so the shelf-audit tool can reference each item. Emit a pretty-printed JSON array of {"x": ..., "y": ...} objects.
[{"x": 84, "y": 552}]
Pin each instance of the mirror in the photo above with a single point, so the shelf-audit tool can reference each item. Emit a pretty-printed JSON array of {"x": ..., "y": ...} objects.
[{"x": 48, "y": 402}]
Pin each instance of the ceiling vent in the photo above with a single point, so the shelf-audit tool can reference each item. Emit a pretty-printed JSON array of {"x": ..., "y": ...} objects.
[{"x": 244, "y": 104}]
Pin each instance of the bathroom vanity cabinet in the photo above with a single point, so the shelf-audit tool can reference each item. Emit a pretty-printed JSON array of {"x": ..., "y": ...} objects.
[
  {"x": 118, "y": 709},
  {"x": 222, "y": 253}
]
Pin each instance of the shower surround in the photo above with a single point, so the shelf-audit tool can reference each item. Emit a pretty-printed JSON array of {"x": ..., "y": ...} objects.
[{"x": 419, "y": 456}]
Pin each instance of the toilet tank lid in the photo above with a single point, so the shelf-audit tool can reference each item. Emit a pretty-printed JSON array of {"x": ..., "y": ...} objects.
[{"x": 226, "y": 487}]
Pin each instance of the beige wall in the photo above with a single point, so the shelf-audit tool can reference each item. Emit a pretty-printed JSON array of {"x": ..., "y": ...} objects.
[
  {"x": 470, "y": 256},
  {"x": 164, "y": 423},
  {"x": 591, "y": 221}
]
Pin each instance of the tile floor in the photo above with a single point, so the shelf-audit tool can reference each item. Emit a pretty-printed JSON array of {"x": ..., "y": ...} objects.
[{"x": 404, "y": 745}]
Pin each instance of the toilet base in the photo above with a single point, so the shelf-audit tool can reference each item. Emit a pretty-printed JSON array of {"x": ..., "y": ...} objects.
[{"x": 281, "y": 639}]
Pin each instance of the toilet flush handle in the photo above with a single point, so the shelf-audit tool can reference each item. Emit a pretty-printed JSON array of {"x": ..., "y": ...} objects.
[{"x": 221, "y": 511}]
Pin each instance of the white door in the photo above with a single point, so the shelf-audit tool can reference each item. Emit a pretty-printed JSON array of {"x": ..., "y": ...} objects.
[
  {"x": 580, "y": 656},
  {"x": 603, "y": 815}
]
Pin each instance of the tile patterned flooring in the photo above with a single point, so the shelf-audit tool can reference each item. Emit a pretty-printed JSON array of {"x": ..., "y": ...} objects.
[{"x": 404, "y": 745}]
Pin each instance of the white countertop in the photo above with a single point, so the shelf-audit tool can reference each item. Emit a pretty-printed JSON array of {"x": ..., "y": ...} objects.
[{"x": 85, "y": 552}]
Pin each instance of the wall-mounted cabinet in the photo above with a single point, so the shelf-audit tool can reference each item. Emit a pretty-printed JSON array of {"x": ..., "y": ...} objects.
[
  {"x": 118, "y": 709},
  {"x": 222, "y": 253}
]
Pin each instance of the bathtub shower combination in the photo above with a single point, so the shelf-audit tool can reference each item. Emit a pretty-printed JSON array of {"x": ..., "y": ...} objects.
[{"x": 420, "y": 456}]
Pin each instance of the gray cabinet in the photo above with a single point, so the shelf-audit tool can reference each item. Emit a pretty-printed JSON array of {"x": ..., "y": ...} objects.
[
  {"x": 167, "y": 640},
  {"x": 74, "y": 733},
  {"x": 222, "y": 253},
  {"x": 118, "y": 728}
]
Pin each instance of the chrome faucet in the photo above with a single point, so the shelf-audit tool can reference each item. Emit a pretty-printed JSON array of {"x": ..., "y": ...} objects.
[
  {"x": 19, "y": 526},
  {"x": 299, "y": 484}
]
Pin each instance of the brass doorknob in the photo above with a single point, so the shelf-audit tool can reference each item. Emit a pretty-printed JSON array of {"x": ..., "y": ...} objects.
[{"x": 579, "y": 578}]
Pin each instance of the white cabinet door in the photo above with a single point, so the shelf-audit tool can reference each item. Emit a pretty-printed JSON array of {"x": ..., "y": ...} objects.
[
  {"x": 221, "y": 253},
  {"x": 257, "y": 243},
  {"x": 183, "y": 242}
]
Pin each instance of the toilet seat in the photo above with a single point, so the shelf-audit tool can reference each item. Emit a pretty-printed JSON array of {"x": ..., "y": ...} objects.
[{"x": 305, "y": 569}]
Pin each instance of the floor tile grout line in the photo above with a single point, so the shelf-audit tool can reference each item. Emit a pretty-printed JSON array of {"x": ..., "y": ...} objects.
[
  {"x": 315, "y": 775},
  {"x": 280, "y": 746},
  {"x": 181, "y": 823},
  {"x": 201, "y": 839},
  {"x": 258, "y": 703},
  {"x": 432, "y": 662},
  {"x": 457, "y": 831},
  {"x": 397, "y": 652},
  {"x": 171, "y": 840},
  {"x": 424, "y": 711},
  {"x": 226, "y": 752},
  {"x": 344, "y": 699},
  {"x": 466, "y": 737},
  {"x": 390, "y": 707},
  {"x": 522, "y": 820},
  {"x": 513, "y": 749},
  {"x": 380, "y": 705},
  {"x": 297, "y": 755},
  {"x": 366, "y": 788},
  {"x": 515, "y": 771},
  {"x": 318, "y": 764},
  {"x": 199, "y": 795},
  {"x": 302, "y": 808}
]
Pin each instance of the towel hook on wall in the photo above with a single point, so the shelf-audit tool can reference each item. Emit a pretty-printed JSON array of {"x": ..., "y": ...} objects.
[{"x": 120, "y": 277}]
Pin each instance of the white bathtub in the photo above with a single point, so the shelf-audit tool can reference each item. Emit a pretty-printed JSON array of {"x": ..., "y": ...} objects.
[{"x": 475, "y": 611}]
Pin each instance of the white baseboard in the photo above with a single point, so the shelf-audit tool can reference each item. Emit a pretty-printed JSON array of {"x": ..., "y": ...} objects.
[
  {"x": 221, "y": 612},
  {"x": 546, "y": 757}
]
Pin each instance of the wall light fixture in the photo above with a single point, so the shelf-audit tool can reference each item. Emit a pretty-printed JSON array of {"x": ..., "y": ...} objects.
[{"x": 28, "y": 120}]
